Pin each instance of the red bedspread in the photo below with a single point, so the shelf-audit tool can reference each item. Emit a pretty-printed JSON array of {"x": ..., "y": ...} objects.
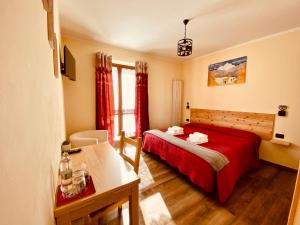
[{"x": 240, "y": 147}]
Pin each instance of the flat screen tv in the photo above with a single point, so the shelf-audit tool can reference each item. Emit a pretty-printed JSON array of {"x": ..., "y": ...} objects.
[{"x": 68, "y": 67}]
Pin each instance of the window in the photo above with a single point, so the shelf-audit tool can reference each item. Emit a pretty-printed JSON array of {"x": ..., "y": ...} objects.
[{"x": 124, "y": 99}]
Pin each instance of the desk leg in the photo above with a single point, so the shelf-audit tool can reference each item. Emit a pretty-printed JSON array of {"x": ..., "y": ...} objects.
[
  {"x": 134, "y": 206},
  {"x": 63, "y": 220}
]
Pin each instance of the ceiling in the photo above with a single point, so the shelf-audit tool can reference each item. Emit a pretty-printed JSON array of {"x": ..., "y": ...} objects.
[{"x": 156, "y": 26}]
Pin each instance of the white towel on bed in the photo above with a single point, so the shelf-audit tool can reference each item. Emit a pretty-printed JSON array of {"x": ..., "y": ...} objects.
[
  {"x": 199, "y": 135},
  {"x": 175, "y": 130},
  {"x": 197, "y": 138}
]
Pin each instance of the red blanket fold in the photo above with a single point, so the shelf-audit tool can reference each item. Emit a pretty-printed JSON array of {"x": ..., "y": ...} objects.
[{"x": 240, "y": 147}]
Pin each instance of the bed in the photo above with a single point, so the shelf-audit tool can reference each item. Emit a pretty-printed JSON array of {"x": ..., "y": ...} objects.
[{"x": 239, "y": 146}]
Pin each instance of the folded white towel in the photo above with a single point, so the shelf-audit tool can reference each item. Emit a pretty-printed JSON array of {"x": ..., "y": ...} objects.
[
  {"x": 175, "y": 130},
  {"x": 197, "y": 142},
  {"x": 198, "y": 134},
  {"x": 170, "y": 129},
  {"x": 197, "y": 138}
]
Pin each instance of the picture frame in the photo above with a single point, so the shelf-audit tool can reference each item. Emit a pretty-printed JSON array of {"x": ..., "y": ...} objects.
[{"x": 228, "y": 72}]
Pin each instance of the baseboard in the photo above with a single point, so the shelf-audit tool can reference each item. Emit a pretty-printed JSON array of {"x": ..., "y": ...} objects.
[{"x": 279, "y": 166}]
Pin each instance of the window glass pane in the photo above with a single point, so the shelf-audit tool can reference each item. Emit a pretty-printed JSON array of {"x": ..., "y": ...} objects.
[
  {"x": 129, "y": 124},
  {"x": 128, "y": 100},
  {"x": 128, "y": 90},
  {"x": 116, "y": 100},
  {"x": 115, "y": 88},
  {"x": 116, "y": 126}
]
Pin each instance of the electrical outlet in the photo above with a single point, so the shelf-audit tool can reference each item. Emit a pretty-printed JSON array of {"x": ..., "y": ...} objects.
[{"x": 281, "y": 136}]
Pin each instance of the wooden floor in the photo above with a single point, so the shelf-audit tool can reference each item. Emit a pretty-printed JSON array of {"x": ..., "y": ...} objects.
[{"x": 262, "y": 196}]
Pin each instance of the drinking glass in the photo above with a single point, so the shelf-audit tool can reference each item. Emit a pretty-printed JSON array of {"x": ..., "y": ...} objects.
[{"x": 79, "y": 181}]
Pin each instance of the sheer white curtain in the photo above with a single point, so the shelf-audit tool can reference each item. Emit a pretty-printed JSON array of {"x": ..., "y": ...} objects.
[{"x": 177, "y": 86}]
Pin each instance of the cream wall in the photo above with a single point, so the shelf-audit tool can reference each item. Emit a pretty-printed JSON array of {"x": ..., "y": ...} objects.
[
  {"x": 273, "y": 78},
  {"x": 31, "y": 115},
  {"x": 79, "y": 96}
]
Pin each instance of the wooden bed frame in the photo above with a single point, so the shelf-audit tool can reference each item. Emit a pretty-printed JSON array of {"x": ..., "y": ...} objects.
[{"x": 260, "y": 123}]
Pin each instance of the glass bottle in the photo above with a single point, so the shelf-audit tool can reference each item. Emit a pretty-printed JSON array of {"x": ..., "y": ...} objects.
[
  {"x": 84, "y": 168},
  {"x": 65, "y": 170}
]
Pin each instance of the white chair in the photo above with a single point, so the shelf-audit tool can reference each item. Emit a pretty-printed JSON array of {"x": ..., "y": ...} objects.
[{"x": 88, "y": 137}]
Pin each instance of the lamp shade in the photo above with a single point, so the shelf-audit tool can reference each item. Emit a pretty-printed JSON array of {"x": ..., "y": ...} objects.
[{"x": 185, "y": 47}]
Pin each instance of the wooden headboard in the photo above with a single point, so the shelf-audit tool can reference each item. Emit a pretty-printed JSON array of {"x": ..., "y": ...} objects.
[{"x": 260, "y": 123}]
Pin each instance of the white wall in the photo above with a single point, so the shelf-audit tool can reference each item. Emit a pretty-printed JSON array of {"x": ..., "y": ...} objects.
[
  {"x": 272, "y": 79},
  {"x": 31, "y": 115}
]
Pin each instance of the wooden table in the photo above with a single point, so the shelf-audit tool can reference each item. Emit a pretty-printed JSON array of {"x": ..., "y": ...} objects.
[{"x": 113, "y": 180}]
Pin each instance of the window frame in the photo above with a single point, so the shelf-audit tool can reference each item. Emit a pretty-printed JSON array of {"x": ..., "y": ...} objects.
[{"x": 120, "y": 111}]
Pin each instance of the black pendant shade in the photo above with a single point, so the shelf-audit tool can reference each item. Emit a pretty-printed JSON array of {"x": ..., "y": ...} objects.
[{"x": 185, "y": 45}]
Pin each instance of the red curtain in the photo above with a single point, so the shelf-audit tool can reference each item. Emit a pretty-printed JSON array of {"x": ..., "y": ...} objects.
[
  {"x": 141, "y": 101},
  {"x": 104, "y": 95}
]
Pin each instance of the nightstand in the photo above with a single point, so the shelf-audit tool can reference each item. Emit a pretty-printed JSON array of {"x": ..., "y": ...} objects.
[{"x": 280, "y": 142}]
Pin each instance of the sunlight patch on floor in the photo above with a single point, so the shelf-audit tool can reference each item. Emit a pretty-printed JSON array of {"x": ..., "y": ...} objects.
[
  {"x": 145, "y": 174},
  {"x": 155, "y": 211},
  {"x": 125, "y": 216}
]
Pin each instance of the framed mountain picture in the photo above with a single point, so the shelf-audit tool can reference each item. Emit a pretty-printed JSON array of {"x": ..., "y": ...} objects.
[{"x": 228, "y": 72}]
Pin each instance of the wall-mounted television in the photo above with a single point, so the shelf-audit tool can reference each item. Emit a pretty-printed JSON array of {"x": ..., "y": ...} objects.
[{"x": 68, "y": 67}]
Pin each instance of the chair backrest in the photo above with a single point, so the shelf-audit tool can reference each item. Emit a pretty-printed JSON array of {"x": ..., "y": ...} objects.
[{"x": 137, "y": 143}]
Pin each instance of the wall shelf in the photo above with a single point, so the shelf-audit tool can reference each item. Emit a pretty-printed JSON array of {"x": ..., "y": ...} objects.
[{"x": 280, "y": 142}]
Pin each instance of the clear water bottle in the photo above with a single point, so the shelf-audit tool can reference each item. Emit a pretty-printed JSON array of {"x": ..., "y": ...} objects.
[{"x": 65, "y": 170}]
